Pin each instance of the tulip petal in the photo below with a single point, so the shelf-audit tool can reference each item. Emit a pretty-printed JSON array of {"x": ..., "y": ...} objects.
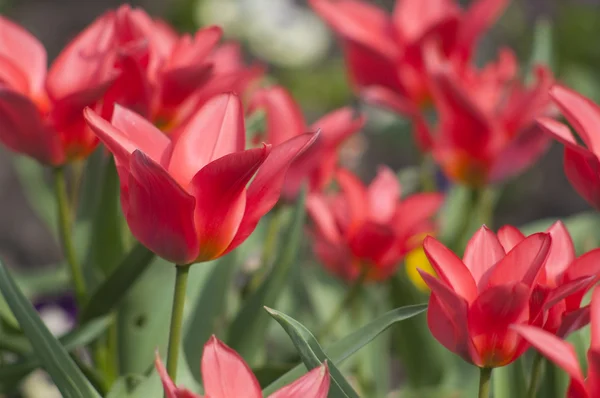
[
  {"x": 160, "y": 213},
  {"x": 384, "y": 194},
  {"x": 338, "y": 125},
  {"x": 263, "y": 192},
  {"x": 593, "y": 373},
  {"x": 414, "y": 210},
  {"x": 595, "y": 320},
  {"x": 414, "y": 19},
  {"x": 359, "y": 22},
  {"x": 583, "y": 172},
  {"x": 482, "y": 253},
  {"x": 372, "y": 241},
  {"x": 367, "y": 67},
  {"x": 490, "y": 316},
  {"x": 480, "y": 16},
  {"x": 566, "y": 289},
  {"x": 523, "y": 263},
  {"x": 356, "y": 196},
  {"x": 322, "y": 217},
  {"x": 450, "y": 269},
  {"x": 225, "y": 374},
  {"x": 573, "y": 321},
  {"x": 23, "y": 131},
  {"x": 220, "y": 191},
  {"x": 581, "y": 112},
  {"x": 85, "y": 63},
  {"x": 558, "y": 351},
  {"x": 25, "y": 53},
  {"x": 509, "y": 237},
  {"x": 585, "y": 265},
  {"x": 171, "y": 390},
  {"x": 217, "y": 129},
  {"x": 447, "y": 318},
  {"x": 387, "y": 98},
  {"x": 562, "y": 252},
  {"x": 283, "y": 114},
  {"x": 314, "y": 384},
  {"x": 143, "y": 134}
]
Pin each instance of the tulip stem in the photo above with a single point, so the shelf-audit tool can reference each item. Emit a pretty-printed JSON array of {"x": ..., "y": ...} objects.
[
  {"x": 181, "y": 278},
  {"x": 536, "y": 375},
  {"x": 485, "y": 378},
  {"x": 351, "y": 295},
  {"x": 64, "y": 225}
]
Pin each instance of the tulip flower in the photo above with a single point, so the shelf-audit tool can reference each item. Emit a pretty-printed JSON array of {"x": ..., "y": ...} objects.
[
  {"x": 581, "y": 164},
  {"x": 486, "y": 130},
  {"x": 366, "y": 231},
  {"x": 226, "y": 375},
  {"x": 563, "y": 281},
  {"x": 476, "y": 299},
  {"x": 384, "y": 52},
  {"x": 188, "y": 199},
  {"x": 40, "y": 109},
  {"x": 161, "y": 71},
  {"x": 564, "y": 356},
  {"x": 284, "y": 121}
]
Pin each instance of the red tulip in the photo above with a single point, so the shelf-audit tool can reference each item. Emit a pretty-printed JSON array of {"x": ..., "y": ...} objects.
[
  {"x": 284, "y": 121},
  {"x": 368, "y": 230},
  {"x": 486, "y": 130},
  {"x": 187, "y": 198},
  {"x": 563, "y": 354},
  {"x": 161, "y": 70},
  {"x": 384, "y": 52},
  {"x": 226, "y": 375},
  {"x": 581, "y": 163},
  {"x": 476, "y": 299},
  {"x": 563, "y": 281},
  {"x": 40, "y": 110}
]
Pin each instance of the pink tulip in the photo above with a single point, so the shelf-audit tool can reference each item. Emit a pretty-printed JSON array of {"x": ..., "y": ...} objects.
[
  {"x": 226, "y": 375},
  {"x": 188, "y": 198}
]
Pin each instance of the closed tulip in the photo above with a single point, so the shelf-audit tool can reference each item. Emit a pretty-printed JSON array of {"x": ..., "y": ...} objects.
[{"x": 189, "y": 199}]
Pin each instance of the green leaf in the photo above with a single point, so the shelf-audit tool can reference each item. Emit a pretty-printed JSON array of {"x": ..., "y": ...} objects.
[
  {"x": 74, "y": 339},
  {"x": 209, "y": 309},
  {"x": 125, "y": 386},
  {"x": 312, "y": 354},
  {"x": 509, "y": 381},
  {"x": 56, "y": 361},
  {"x": 111, "y": 292},
  {"x": 7, "y": 315},
  {"x": 344, "y": 348},
  {"x": 247, "y": 331},
  {"x": 106, "y": 243}
]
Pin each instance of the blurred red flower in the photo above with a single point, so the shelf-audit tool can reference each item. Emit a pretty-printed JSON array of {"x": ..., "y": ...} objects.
[
  {"x": 581, "y": 164},
  {"x": 486, "y": 130},
  {"x": 564, "y": 356},
  {"x": 284, "y": 120},
  {"x": 384, "y": 52},
  {"x": 225, "y": 375},
  {"x": 40, "y": 109},
  {"x": 368, "y": 230},
  {"x": 164, "y": 76},
  {"x": 186, "y": 198}
]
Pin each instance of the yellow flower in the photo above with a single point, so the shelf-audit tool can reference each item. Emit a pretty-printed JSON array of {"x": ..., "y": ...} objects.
[{"x": 416, "y": 259}]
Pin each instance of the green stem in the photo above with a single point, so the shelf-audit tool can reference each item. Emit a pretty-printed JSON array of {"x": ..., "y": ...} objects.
[
  {"x": 463, "y": 231},
  {"x": 268, "y": 251},
  {"x": 485, "y": 377},
  {"x": 536, "y": 375},
  {"x": 64, "y": 225},
  {"x": 351, "y": 295},
  {"x": 177, "y": 319}
]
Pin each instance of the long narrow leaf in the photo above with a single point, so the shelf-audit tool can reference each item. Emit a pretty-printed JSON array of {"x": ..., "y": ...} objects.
[
  {"x": 64, "y": 372},
  {"x": 344, "y": 348},
  {"x": 247, "y": 331},
  {"x": 312, "y": 354},
  {"x": 110, "y": 293}
]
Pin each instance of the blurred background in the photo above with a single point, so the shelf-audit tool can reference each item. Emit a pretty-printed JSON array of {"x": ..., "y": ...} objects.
[{"x": 302, "y": 55}]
